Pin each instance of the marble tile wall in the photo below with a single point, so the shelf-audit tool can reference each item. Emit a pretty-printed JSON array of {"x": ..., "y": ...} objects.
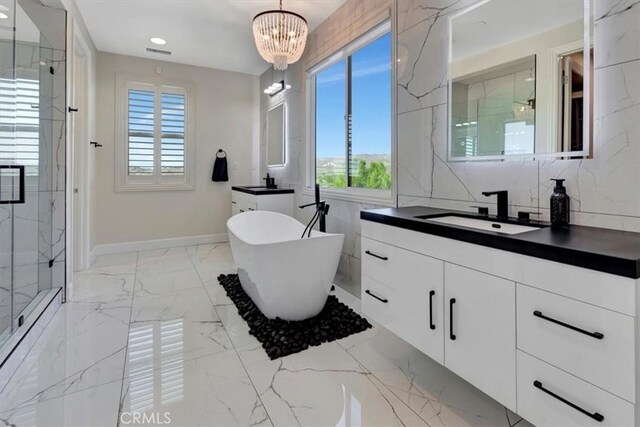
[{"x": 604, "y": 189}]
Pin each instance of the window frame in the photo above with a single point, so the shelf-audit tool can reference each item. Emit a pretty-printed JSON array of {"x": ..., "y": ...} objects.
[
  {"x": 157, "y": 181},
  {"x": 353, "y": 194}
]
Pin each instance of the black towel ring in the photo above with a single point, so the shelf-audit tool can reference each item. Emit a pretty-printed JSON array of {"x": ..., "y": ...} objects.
[{"x": 223, "y": 152}]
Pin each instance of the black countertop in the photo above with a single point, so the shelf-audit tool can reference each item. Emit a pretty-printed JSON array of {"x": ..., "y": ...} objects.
[
  {"x": 600, "y": 249},
  {"x": 257, "y": 190}
]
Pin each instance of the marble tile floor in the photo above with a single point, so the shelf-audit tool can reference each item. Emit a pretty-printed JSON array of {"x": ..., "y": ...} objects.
[{"x": 150, "y": 338}]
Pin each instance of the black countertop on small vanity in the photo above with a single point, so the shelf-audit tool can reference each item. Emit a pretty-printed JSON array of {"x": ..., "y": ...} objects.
[
  {"x": 258, "y": 190},
  {"x": 600, "y": 249}
]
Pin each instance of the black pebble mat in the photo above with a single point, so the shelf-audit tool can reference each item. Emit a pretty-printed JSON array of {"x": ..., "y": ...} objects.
[{"x": 279, "y": 337}]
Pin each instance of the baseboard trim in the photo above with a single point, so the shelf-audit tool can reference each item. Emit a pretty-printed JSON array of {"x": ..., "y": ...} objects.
[{"x": 146, "y": 245}]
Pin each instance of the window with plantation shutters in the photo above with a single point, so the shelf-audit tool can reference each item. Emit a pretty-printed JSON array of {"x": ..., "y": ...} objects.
[
  {"x": 141, "y": 132},
  {"x": 157, "y": 153},
  {"x": 20, "y": 123},
  {"x": 172, "y": 152}
]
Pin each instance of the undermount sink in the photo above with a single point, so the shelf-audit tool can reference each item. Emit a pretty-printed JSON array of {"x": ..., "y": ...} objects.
[{"x": 481, "y": 224}]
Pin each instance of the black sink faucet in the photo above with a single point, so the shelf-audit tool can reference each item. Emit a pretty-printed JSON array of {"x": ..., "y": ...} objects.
[{"x": 503, "y": 202}]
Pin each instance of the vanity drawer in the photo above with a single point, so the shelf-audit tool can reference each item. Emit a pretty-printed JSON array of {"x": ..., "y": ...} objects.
[
  {"x": 396, "y": 267},
  {"x": 590, "y": 342},
  {"x": 379, "y": 303},
  {"x": 537, "y": 380},
  {"x": 246, "y": 206}
]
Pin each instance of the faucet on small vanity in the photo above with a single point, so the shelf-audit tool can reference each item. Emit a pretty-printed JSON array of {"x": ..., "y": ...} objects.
[{"x": 503, "y": 202}]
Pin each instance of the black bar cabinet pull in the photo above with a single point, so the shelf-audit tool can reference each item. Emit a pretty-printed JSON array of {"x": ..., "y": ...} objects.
[
  {"x": 596, "y": 416},
  {"x": 376, "y": 297},
  {"x": 452, "y": 336},
  {"x": 384, "y": 258},
  {"x": 596, "y": 335},
  {"x": 72, "y": 110},
  {"x": 431, "y": 294}
]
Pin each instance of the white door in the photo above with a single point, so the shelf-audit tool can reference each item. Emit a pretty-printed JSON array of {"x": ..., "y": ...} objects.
[
  {"x": 78, "y": 135},
  {"x": 79, "y": 174},
  {"x": 480, "y": 332}
]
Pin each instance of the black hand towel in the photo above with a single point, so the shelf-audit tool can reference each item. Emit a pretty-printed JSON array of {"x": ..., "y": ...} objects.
[{"x": 220, "y": 170}]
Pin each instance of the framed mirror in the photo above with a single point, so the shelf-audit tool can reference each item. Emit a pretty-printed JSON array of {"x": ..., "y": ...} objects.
[
  {"x": 276, "y": 128},
  {"x": 521, "y": 80}
]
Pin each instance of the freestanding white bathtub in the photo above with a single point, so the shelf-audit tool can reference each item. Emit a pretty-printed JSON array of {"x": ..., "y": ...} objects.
[{"x": 285, "y": 276}]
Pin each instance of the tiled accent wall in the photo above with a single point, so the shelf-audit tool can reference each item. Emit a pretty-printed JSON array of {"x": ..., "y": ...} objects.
[{"x": 604, "y": 189}]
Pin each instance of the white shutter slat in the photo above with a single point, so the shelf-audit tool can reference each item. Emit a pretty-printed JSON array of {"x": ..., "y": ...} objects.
[{"x": 140, "y": 132}]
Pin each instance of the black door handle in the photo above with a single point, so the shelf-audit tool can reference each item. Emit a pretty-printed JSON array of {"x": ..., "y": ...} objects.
[
  {"x": 452, "y": 336},
  {"x": 596, "y": 416},
  {"x": 376, "y": 297},
  {"x": 596, "y": 335},
  {"x": 431, "y": 294},
  {"x": 21, "y": 184},
  {"x": 384, "y": 258}
]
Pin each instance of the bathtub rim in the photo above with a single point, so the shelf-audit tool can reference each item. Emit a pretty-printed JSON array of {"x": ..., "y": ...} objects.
[{"x": 315, "y": 234}]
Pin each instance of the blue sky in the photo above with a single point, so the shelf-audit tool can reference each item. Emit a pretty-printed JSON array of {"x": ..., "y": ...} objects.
[{"x": 371, "y": 103}]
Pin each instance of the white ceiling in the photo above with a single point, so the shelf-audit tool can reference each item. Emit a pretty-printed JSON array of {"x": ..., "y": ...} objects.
[
  {"x": 208, "y": 33},
  {"x": 498, "y": 22}
]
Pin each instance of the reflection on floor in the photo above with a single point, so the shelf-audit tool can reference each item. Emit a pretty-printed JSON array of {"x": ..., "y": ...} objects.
[{"x": 151, "y": 337}]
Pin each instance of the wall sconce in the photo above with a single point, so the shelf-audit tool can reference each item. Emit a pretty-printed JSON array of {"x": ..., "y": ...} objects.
[{"x": 276, "y": 88}]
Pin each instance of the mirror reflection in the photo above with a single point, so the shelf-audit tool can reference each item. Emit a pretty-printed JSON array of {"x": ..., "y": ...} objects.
[
  {"x": 275, "y": 135},
  {"x": 520, "y": 83}
]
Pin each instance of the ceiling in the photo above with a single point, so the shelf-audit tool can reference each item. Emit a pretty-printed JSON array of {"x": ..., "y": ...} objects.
[
  {"x": 207, "y": 33},
  {"x": 498, "y": 22}
]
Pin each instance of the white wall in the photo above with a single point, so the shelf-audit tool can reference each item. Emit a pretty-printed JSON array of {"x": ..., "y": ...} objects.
[{"x": 226, "y": 114}]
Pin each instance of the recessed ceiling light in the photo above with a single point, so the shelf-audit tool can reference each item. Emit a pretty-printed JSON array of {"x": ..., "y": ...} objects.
[
  {"x": 158, "y": 40},
  {"x": 3, "y": 15}
]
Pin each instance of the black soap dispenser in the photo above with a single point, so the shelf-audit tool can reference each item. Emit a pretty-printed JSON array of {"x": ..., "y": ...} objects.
[{"x": 559, "y": 205}]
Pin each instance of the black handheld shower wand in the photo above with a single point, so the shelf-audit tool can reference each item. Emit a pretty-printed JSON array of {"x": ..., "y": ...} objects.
[{"x": 322, "y": 209}]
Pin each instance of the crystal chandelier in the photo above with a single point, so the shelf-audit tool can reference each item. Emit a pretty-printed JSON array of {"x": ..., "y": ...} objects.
[{"x": 280, "y": 36}]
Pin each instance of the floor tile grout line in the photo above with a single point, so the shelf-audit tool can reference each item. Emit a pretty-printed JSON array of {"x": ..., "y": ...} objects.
[
  {"x": 382, "y": 382},
  {"x": 235, "y": 350},
  {"x": 62, "y": 396},
  {"x": 126, "y": 352}
]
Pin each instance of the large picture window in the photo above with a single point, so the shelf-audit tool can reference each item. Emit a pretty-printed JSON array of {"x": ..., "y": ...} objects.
[
  {"x": 352, "y": 115},
  {"x": 157, "y": 152}
]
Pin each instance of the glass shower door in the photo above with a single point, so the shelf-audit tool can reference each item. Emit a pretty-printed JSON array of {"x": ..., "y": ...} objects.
[{"x": 26, "y": 184}]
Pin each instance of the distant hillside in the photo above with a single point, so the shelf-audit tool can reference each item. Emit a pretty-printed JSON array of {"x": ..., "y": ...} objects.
[{"x": 331, "y": 165}]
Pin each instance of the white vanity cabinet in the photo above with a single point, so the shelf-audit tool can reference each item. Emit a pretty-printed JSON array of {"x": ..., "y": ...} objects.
[
  {"x": 555, "y": 343},
  {"x": 403, "y": 291},
  {"x": 480, "y": 332},
  {"x": 245, "y": 202}
]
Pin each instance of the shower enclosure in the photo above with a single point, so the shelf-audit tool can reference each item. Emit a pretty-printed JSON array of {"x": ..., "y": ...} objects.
[{"x": 32, "y": 165}]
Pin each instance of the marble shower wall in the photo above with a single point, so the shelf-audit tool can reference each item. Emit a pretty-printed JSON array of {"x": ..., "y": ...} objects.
[
  {"x": 351, "y": 20},
  {"x": 604, "y": 189}
]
